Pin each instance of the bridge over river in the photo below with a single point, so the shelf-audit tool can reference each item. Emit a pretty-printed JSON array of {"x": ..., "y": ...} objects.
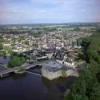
[{"x": 6, "y": 71}]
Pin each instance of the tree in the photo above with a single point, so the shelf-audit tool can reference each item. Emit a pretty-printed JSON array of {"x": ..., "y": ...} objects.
[
  {"x": 1, "y": 46},
  {"x": 85, "y": 45},
  {"x": 16, "y": 61},
  {"x": 87, "y": 87},
  {"x": 76, "y": 29}
]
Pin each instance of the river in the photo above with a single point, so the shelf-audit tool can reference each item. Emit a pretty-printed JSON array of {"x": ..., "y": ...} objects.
[
  {"x": 33, "y": 87},
  {"x": 29, "y": 86}
]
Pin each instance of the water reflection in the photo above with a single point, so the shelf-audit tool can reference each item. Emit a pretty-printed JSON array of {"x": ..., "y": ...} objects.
[
  {"x": 4, "y": 60},
  {"x": 18, "y": 76},
  {"x": 31, "y": 87}
]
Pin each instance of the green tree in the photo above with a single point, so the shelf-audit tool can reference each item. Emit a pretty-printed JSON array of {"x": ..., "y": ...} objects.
[
  {"x": 1, "y": 46},
  {"x": 85, "y": 45},
  {"x": 16, "y": 61},
  {"x": 87, "y": 87}
]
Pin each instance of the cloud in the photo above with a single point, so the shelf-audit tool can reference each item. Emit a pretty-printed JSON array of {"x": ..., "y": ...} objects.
[{"x": 13, "y": 11}]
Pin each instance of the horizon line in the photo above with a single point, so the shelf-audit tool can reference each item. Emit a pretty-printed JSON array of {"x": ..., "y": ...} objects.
[{"x": 50, "y": 23}]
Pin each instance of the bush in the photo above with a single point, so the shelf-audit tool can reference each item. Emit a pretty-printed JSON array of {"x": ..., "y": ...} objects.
[{"x": 16, "y": 61}]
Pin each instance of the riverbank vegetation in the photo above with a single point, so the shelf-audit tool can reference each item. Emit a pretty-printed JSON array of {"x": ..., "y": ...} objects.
[
  {"x": 16, "y": 60},
  {"x": 87, "y": 87}
]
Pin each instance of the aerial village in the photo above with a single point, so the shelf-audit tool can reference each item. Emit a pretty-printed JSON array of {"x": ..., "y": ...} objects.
[{"x": 56, "y": 51}]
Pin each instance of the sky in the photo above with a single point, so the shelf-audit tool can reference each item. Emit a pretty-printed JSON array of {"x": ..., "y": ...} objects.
[{"x": 49, "y": 11}]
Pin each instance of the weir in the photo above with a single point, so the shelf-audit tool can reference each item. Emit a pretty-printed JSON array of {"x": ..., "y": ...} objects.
[
  {"x": 37, "y": 74},
  {"x": 6, "y": 72}
]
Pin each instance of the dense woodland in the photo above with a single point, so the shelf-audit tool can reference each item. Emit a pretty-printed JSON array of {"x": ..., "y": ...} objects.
[{"x": 87, "y": 87}]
